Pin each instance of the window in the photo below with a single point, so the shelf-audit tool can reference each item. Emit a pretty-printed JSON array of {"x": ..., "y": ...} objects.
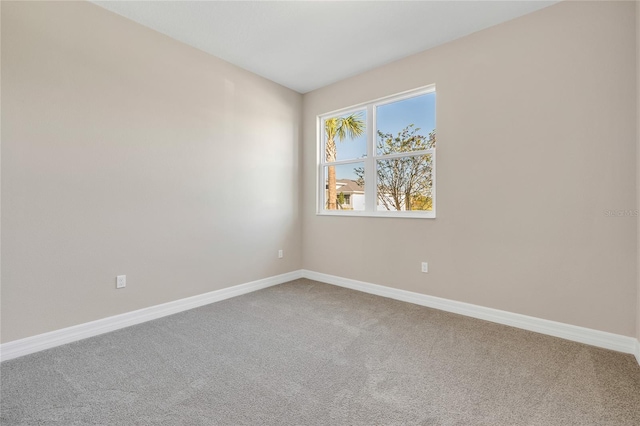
[{"x": 379, "y": 159}]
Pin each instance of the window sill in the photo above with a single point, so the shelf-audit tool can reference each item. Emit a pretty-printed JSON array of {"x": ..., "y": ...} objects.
[{"x": 401, "y": 214}]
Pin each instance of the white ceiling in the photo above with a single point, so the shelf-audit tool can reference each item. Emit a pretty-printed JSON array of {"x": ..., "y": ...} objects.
[{"x": 305, "y": 45}]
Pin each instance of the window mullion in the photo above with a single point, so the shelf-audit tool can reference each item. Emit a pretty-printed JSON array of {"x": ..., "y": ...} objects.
[
  {"x": 342, "y": 162},
  {"x": 407, "y": 154},
  {"x": 370, "y": 163}
]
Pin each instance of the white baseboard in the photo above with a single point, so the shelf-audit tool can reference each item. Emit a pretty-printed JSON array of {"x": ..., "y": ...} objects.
[
  {"x": 574, "y": 333},
  {"x": 55, "y": 338}
]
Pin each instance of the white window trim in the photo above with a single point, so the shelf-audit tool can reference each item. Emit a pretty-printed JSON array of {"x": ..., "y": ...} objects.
[{"x": 370, "y": 160}]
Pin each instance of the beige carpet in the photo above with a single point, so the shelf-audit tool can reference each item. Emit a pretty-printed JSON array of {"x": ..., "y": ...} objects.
[{"x": 305, "y": 353}]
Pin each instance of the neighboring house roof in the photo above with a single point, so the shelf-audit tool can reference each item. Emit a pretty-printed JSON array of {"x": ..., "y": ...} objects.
[{"x": 348, "y": 186}]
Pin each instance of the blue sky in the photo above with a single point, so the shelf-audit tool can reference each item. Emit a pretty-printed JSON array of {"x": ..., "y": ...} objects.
[{"x": 391, "y": 118}]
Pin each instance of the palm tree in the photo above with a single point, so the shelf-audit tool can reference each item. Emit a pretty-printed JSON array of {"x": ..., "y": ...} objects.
[{"x": 350, "y": 126}]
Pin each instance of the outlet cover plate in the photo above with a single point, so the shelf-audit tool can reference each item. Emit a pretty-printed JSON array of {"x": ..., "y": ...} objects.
[{"x": 121, "y": 281}]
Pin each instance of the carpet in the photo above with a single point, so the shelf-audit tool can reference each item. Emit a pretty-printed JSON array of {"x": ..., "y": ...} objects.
[{"x": 307, "y": 353}]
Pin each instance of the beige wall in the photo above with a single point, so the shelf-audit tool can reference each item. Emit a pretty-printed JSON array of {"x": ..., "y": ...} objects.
[
  {"x": 638, "y": 155},
  {"x": 537, "y": 131},
  {"x": 125, "y": 152}
]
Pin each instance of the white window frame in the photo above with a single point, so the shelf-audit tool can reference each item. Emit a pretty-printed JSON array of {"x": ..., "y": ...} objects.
[{"x": 370, "y": 190}]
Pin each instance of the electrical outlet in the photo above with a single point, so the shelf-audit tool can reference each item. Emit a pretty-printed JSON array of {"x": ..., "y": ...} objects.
[
  {"x": 425, "y": 267},
  {"x": 280, "y": 254},
  {"x": 121, "y": 281}
]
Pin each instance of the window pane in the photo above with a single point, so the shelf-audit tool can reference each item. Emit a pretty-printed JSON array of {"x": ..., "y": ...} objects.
[
  {"x": 405, "y": 183},
  {"x": 345, "y": 137},
  {"x": 348, "y": 183},
  {"x": 406, "y": 125}
]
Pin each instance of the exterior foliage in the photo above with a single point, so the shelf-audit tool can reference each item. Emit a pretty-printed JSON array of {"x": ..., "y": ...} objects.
[
  {"x": 404, "y": 183},
  {"x": 350, "y": 126}
]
